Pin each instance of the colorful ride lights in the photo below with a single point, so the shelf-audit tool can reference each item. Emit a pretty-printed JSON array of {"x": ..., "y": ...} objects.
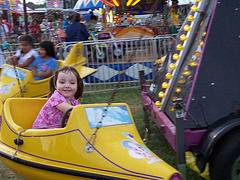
[
  {"x": 158, "y": 104},
  {"x": 108, "y": 3},
  {"x": 181, "y": 81},
  {"x": 190, "y": 18},
  {"x": 187, "y": 28},
  {"x": 161, "y": 94},
  {"x": 168, "y": 76},
  {"x": 159, "y": 62},
  {"x": 183, "y": 37},
  {"x": 186, "y": 73},
  {"x": 179, "y": 47},
  {"x": 178, "y": 90},
  {"x": 130, "y": 2},
  {"x": 198, "y": 0},
  {"x": 194, "y": 8},
  {"x": 133, "y": 4},
  {"x": 171, "y": 109},
  {"x": 176, "y": 57},
  {"x": 192, "y": 63},
  {"x": 172, "y": 66},
  {"x": 165, "y": 85},
  {"x": 116, "y": 2},
  {"x": 204, "y": 34},
  {"x": 201, "y": 43}
]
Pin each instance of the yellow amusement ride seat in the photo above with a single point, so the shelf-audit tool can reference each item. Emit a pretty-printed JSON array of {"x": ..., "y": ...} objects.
[
  {"x": 99, "y": 141},
  {"x": 19, "y": 82}
]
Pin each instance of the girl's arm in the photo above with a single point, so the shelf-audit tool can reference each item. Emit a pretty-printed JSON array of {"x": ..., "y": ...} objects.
[
  {"x": 12, "y": 60},
  {"x": 64, "y": 106},
  {"x": 26, "y": 63},
  {"x": 48, "y": 73}
]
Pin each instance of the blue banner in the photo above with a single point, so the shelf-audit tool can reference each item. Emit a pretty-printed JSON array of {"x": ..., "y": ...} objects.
[{"x": 4, "y": 5}]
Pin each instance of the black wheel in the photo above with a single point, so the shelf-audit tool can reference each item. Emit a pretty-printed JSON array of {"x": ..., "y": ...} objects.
[
  {"x": 225, "y": 159},
  {"x": 65, "y": 116},
  {"x": 100, "y": 54},
  {"x": 118, "y": 51}
]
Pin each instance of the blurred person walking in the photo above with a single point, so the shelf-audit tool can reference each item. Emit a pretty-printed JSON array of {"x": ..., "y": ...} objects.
[
  {"x": 3, "y": 36},
  {"x": 77, "y": 31}
]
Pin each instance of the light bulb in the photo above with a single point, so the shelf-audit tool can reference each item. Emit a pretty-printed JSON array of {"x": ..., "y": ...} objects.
[{"x": 165, "y": 85}]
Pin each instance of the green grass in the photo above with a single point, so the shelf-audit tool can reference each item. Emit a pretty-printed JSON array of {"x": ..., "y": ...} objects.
[{"x": 156, "y": 141}]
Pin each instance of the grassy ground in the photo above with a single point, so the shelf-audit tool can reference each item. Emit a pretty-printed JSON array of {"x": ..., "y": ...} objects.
[{"x": 156, "y": 142}]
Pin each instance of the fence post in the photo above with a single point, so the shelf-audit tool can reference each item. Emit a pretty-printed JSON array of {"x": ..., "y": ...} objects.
[
  {"x": 180, "y": 138},
  {"x": 154, "y": 49}
]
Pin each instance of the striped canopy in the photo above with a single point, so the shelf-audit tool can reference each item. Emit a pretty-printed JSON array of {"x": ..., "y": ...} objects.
[{"x": 84, "y": 5}]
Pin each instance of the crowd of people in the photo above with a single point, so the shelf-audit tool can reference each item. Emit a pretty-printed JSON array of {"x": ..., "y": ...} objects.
[
  {"x": 42, "y": 29},
  {"x": 66, "y": 86},
  {"x": 68, "y": 30},
  {"x": 43, "y": 63}
]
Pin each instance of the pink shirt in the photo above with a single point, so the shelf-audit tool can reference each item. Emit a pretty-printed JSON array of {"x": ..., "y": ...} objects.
[{"x": 49, "y": 114}]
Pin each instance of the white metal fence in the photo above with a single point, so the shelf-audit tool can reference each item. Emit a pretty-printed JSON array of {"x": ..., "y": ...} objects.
[{"x": 117, "y": 60}]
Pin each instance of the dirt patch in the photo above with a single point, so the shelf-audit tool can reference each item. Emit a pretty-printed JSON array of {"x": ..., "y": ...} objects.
[{"x": 7, "y": 174}]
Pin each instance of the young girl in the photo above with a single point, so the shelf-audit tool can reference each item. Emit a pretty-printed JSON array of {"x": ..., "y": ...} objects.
[
  {"x": 45, "y": 64},
  {"x": 66, "y": 87},
  {"x": 25, "y": 56}
]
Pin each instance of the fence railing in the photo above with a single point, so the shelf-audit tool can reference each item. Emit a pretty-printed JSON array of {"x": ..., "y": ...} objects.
[
  {"x": 117, "y": 60},
  {"x": 120, "y": 60}
]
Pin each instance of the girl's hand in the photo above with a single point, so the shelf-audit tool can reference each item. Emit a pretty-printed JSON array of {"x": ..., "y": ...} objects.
[
  {"x": 12, "y": 60},
  {"x": 34, "y": 72}
]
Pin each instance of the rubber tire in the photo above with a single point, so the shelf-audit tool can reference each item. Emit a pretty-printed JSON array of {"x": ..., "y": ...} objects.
[
  {"x": 104, "y": 54},
  {"x": 225, "y": 153},
  {"x": 122, "y": 51}
]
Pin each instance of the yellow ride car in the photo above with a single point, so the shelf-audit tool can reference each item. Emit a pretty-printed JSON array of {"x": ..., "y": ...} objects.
[
  {"x": 19, "y": 82},
  {"x": 99, "y": 141}
]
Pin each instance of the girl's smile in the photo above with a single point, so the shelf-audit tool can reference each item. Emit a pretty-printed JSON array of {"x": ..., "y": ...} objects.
[{"x": 67, "y": 84}]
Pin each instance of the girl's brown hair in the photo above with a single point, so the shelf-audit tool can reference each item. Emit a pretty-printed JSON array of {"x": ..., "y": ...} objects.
[{"x": 64, "y": 69}]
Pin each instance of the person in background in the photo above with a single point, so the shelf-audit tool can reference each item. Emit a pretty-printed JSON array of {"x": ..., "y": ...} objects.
[
  {"x": 35, "y": 31},
  {"x": 25, "y": 55},
  {"x": 66, "y": 87},
  {"x": 2, "y": 41},
  {"x": 45, "y": 64},
  {"x": 66, "y": 23},
  {"x": 91, "y": 25},
  {"x": 9, "y": 26},
  {"x": 77, "y": 31}
]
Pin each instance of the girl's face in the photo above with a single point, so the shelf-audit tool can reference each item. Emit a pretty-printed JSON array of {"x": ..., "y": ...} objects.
[
  {"x": 66, "y": 84},
  {"x": 35, "y": 23},
  {"x": 42, "y": 52},
  {"x": 25, "y": 46},
  {"x": 93, "y": 21}
]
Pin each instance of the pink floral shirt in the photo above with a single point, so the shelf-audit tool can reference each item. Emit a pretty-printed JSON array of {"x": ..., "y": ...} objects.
[{"x": 49, "y": 114}]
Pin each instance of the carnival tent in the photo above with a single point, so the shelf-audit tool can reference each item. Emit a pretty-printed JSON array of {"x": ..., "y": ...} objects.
[
  {"x": 85, "y": 5},
  {"x": 4, "y": 5},
  {"x": 19, "y": 8}
]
